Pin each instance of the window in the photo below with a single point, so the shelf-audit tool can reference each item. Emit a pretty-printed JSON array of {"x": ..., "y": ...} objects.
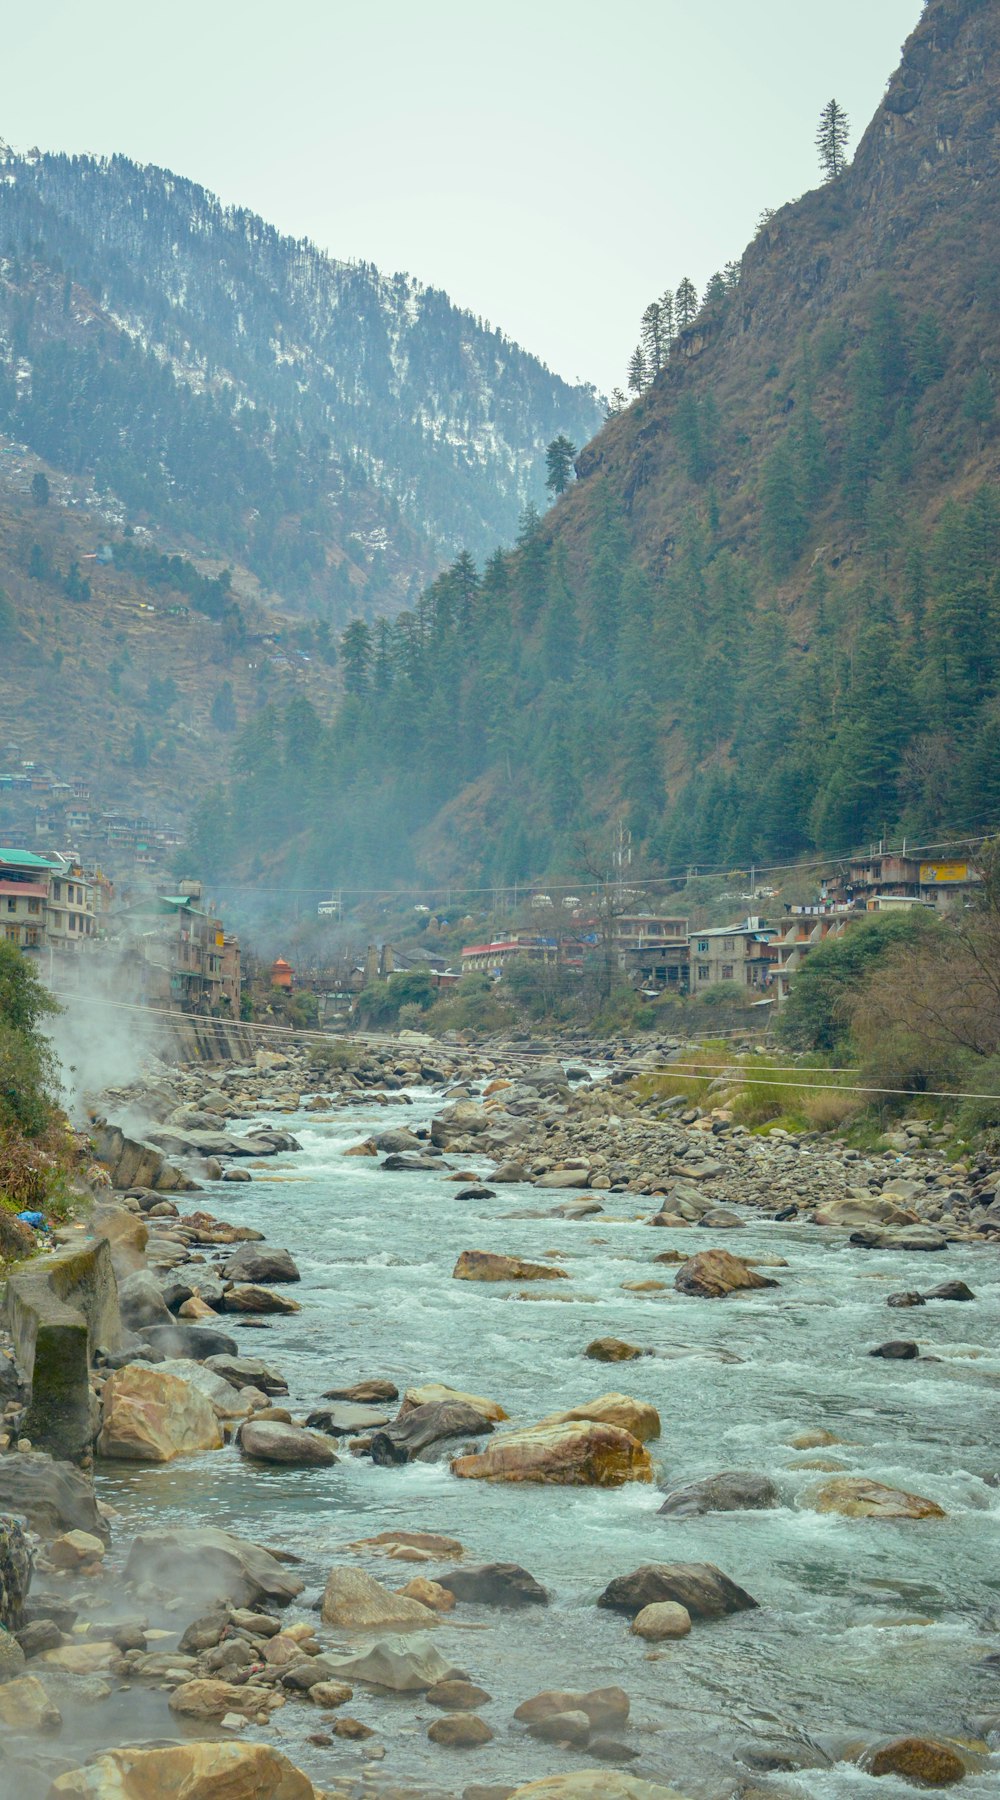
[
  {"x": 34, "y": 906},
  {"x": 728, "y": 944},
  {"x": 11, "y": 903},
  {"x": 32, "y": 938},
  {"x": 72, "y": 921},
  {"x": 727, "y": 971},
  {"x": 13, "y": 933},
  {"x": 703, "y": 971},
  {"x": 702, "y": 946}
]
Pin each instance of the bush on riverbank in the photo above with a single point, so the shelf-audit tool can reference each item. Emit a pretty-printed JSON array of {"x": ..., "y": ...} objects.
[{"x": 37, "y": 1149}]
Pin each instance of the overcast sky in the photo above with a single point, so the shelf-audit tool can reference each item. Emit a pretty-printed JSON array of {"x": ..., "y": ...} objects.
[{"x": 552, "y": 164}]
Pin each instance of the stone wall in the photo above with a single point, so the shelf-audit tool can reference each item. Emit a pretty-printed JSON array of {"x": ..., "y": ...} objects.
[{"x": 59, "y": 1310}]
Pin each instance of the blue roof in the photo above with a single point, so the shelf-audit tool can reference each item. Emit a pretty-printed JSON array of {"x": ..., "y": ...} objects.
[{"x": 25, "y": 859}]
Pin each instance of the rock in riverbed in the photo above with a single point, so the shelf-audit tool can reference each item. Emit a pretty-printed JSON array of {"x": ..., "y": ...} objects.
[
  {"x": 861, "y": 1499},
  {"x": 151, "y": 1417},
  {"x": 576, "y": 1454},
  {"x": 700, "y": 1587},
  {"x": 355, "y": 1601},
  {"x": 487, "y": 1265},
  {"x": 495, "y": 1584},
  {"x": 732, "y": 1491},
  {"x": 207, "y": 1563},
  {"x": 194, "y": 1771},
  {"x": 925, "y": 1761},
  {"x": 664, "y": 1619},
  {"x": 413, "y": 1434},
  {"x": 269, "y": 1441},
  {"x": 714, "y": 1273}
]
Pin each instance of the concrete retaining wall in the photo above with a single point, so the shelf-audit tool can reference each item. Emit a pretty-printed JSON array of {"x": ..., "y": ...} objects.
[{"x": 59, "y": 1310}]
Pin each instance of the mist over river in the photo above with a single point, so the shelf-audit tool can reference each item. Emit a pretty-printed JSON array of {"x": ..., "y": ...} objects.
[{"x": 864, "y": 1629}]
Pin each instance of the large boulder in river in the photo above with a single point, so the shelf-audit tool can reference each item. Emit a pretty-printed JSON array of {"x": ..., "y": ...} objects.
[
  {"x": 701, "y": 1587},
  {"x": 735, "y": 1490},
  {"x": 354, "y": 1601},
  {"x": 52, "y": 1496},
  {"x": 271, "y": 1441},
  {"x": 899, "y": 1237},
  {"x": 151, "y": 1417},
  {"x": 714, "y": 1273},
  {"x": 141, "y": 1301},
  {"x": 414, "y": 1433},
  {"x": 495, "y": 1584},
  {"x": 432, "y": 1393},
  {"x": 407, "y": 1665},
  {"x": 203, "y": 1563},
  {"x": 636, "y": 1416},
  {"x": 246, "y": 1371},
  {"x": 576, "y": 1454},
  {"x": 199, "y": 1342},
  {"x": 855, "y": 1211},
  {"x": 926, "y": 1762},
  {"x": 856, "y": 1498},
  {"x": 213, "y": 1771},
  {"x": 487, "y": 1265},
  {"x": 612, "y": 1349},
  {"x": 256, "y": 1263}
]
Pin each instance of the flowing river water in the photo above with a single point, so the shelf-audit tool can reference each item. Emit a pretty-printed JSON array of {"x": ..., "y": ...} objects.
[{"x": 864, "y": 1628}]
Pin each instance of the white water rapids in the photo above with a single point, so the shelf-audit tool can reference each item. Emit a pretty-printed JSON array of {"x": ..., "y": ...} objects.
[{"x": 865, "y": 1629}]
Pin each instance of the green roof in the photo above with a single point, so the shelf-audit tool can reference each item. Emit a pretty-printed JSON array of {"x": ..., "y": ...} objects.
[{"x": 25, "y": 859}]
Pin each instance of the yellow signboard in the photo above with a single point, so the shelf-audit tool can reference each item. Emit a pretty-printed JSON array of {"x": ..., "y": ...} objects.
[
  {"x": 220, "y": 940},
  {"x": 935, "y": 873}
]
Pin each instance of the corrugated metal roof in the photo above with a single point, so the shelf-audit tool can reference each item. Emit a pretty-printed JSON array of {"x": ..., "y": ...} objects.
[{"x": 24, "y": 859}]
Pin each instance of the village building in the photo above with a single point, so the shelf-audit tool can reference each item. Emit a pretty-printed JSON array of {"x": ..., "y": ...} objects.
[
  {"x": 732, "y": 953},
  {"x": 185, "y": 959},
  {"x": 24, "y": 895}
]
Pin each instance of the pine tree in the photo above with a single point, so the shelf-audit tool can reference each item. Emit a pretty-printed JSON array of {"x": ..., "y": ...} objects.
[
  {"x": 638, "y": 378},
  {"x": 832, "y": 134},
  {"x": 616, "y": 404},
  {"x": 685, "y": 303},
  {"x": 559, "y": 463},
  {"x": 356, "y": 656},
  {"x": 782, "y": 523},
  {"x": 652, "y": 337},
  {"x": 667, "y": 321}
]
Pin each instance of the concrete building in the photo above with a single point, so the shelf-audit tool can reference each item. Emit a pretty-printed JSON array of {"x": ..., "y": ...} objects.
[{"x": 736, "y": 953}]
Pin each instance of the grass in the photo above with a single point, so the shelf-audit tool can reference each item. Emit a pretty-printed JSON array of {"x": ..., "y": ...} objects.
[{"x": 757, "y": 1090}]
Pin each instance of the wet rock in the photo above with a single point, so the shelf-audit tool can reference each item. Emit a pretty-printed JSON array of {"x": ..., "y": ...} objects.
[
  {"x": 225, "y": 1401},
  {"x": 74, "y": 1548},
  {"x": 330, "y": 1693},
  {"x": 269, "y": 1441},
  {"x": 397, "y": 1140},
  {"x": 475, "y": 1193},
  {"x": 141, "y": 1301},
  {"x": 900, "y": 1237},
  {"x": 721, "y": 1220},
  {"x": 405, "y": 1665},
  {"x": 15, "y": 1568},
  {"x": 432, "y": 1393},
  {"x": 25, "y": 1706},
  {"x": 700, "y": 1587},
  {"x": 577, "y": 1454},
  {"x": 856, "y": 1498},
  {"x": 429, "y": 1593},
  {"x": 410, "y": 1165},
  {"x": 457, "y": 1696},
  {"x": 87, "y": 1658},
  {"x": 925, "y": 1761},
  {"x": 612, "y": 1350},
  {"x": 486, "y": 1265},
  {"x": 199, "y": 1343},
  {"x": 355, "y": 1601},
  {"x": 495, "y": 1584},
  {"x": 612, "y": 1750},
  {"x": 909, "y": 1299},
  {"x": 239, "y": 1771},
  {"x": 714, "y": 1273},
  {"x": 816, "y": 1438},
  {"x": 245, "y": 1371},
  {"x": 664, "y": 1619},
  {"x": 346, "y": 1420},
  {"x": 897, "y": 1350},
  {"x": 352, "y": 1728},
  {"x": 415, "y": 1432},
  {"x": 735, "y": 1490},
  {"x": 364, "y": 1393},
  {"x": 256, "y": 1263},
  {"x": 151, "y": 1417},
  {"x": 202, "y": 1561},
  {"x": 12, "y": 1657},
  {"x": 562, "y": 1728},
  {"x": 860, "y": 1210},
  {"x": 510, "y": 1171},
  {"x": 636, "y": 1416},
  {"x": 39, "y": 1635},
  {"x": 950, "y": 1290},
  {"x": 211, "y": 1699},
  {"x": 250, "y": 1299},
  {"x": 460, "y": 1731}
]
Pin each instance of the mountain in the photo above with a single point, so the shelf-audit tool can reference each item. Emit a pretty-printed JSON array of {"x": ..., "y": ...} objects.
[
  {"x": 765, "y": 618},
  {"x": 337, "y": 431}
]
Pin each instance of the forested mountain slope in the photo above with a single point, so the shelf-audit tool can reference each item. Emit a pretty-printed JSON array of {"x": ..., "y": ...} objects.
[
  {"x": 766, "y": 616},
  {"x": 334, "y": 429}
]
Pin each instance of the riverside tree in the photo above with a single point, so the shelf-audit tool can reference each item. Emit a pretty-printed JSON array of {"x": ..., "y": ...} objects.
[{"x": 831, "y": 140}]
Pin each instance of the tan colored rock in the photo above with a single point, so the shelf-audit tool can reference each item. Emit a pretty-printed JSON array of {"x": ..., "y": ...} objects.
[
  {"x": 644, "y": 1287},
  {"x": 128, "y": 1235},
  {"x": 457, "y": 1695},
  {"x": 926, "y": 1761},
  {"x": 25, "y": 1706},
  {"x": 855, "y": 1210},
  {"x": 460, "y": 1730},
  {"x": 612, "y": 1350},
  {"x": 434, "y": 1542},
  {"x": 365, "y": 1149},
  {"x": 563, "y": 1728},
  {"x": 74, "y": 1548},
  {"x": 486, "y": 1265},
  {"x": 434, "y": 1391},
  {"x": 606, "y": 1708},
  {"x": 636, "y": 1416},
  {"x": 856, "y": 1498},
  {"x": 83, "y": 1659},
  {"x": 429, "y": 1593},
  {"x": 714, "y": 1273},
  {"x": 151, "y": 1417},
  {"x": 196, "y": 1308},
  {"x": 208, "y": 1699},
  {"x": 330, "y": 1693},
  {"x": 357, "y": 1602},
  {"x": 578, "y": 1454},
  {"x": 664, "y": 1619},
  {"x": 814, "y": 1439},
  {"x": 214, "y": 1771}
]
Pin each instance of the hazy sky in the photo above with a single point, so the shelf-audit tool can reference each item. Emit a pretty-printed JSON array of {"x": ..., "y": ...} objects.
[{"x": 553, "y": 164}]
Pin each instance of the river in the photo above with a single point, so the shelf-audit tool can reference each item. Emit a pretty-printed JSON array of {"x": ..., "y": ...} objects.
[{"x": 864, "y": 1628}]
